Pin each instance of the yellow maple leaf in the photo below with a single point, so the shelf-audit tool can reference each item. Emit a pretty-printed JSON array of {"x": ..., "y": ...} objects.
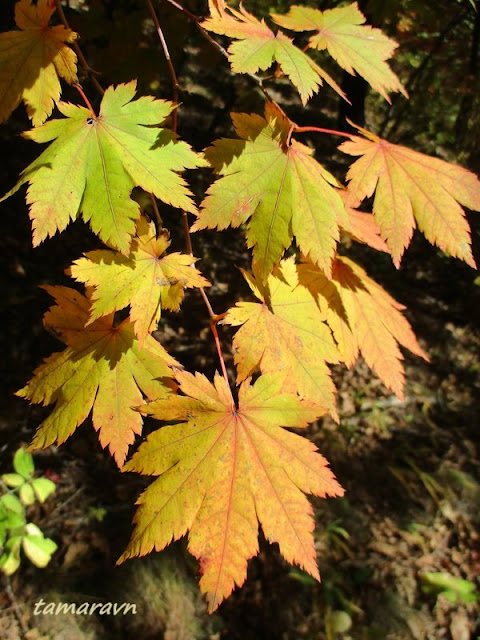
[
  {"x": 286, "y": 332},
  {"x": 376, "y": 324},
  {"x": 278, "y": 187},
  {"x": 102, "y": 369},
  {"x": 144, "y": 280},
  {"x": 33, "y": 59},
  {"x": 223, "y": 471}
]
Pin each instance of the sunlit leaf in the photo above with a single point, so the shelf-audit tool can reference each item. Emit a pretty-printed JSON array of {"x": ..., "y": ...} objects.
[
  {"x": 102, "y": 369},
  {"x": 33, "y": 59},
  {"x": 224, "y": 470}
]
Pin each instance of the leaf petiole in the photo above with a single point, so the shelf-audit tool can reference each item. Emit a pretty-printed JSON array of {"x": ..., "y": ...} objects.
[
  {"x": 332, "y": 132},
  {"x": 85, "y": 99}
]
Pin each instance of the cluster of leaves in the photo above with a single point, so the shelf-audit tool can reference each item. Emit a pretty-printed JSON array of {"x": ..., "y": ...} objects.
[
  {"x": 452, "y": 588},
  {"x": 15, "y": 532},
  {"x": 225, "y": 462}
]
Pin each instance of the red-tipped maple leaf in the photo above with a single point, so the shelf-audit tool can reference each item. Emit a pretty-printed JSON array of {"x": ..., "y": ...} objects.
[
  {"x": 412, "y": 188},
  {"x": 364, "y": 318},
  {"x": 223, "y": 470},
  {"x": 102, "y": 369}
]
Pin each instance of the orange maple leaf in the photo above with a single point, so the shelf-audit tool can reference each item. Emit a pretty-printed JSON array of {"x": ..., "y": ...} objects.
[
  {"x": 364, "y": 318},
  {"x": 224, "y": 470},
  {"x": 361, "y": 226},
  {"x": 102, "y": 369},
  {"x": 286, "y": 332},
  {"x": 33, "y": 59},
  {"x": 413, "y": 189}
]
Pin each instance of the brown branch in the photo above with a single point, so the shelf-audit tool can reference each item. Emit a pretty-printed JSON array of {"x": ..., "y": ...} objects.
[
  {"x": 168, "y": 59},
  {"x": 81, "y": 58},
  {"x": 158, "y": 217}
]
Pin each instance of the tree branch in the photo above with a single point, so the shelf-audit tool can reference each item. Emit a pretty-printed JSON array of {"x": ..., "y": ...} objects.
[
  {"x": 81, "y": 58},
  {"x": 168, "y": 59}
]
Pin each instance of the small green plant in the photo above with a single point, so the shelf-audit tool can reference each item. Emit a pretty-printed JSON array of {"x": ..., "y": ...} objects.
[
  {"x": 452, "y": 588},
  {"x": 19, "y": 490}
]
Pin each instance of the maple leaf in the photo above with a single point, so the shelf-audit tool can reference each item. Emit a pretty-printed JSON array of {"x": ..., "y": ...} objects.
[
  {"x": 257, "y": 48},
  {"x": 101, "y": 368},
  {"x": 361, "y": 226},
  {"x": 144, "y": 280},
  {"x": 222, "y": 471},
  {"x": 94, "y": 162},
  {"x": 280, "y": 187},
  {"x": 410, "y": 188},
  {"x": 376, "y": 324},
  {"x": 353, "y": 45},
  {"x": 33, "y": 59},
  {"x": 286, "y": 332}
]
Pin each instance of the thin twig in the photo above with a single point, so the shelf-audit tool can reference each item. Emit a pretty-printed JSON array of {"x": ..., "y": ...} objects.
[
  {"x": 170, "y": 66},
  {"x": 213, "y": 327},
  {"x": 196, "y": 19},
  {"x": 209, "y": 38},
  {"x": 214, "y": 318},
  {"x": 192, "y": 16},
  {"x": 81, "y": 58},
  {"x": 158, "y": 217}
]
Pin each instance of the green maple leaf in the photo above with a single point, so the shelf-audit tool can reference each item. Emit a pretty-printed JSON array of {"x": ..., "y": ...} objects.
[
  {"x": 355, "y": 47},
  {"x": 256, "y": 48},
  {"x": 102, "y": 369},
  {"x": 279, "y": 187},
  {"x": 144, "y": 280},
  {"x": 222, "y": 470},
  {"x": 94, "y": 162}
]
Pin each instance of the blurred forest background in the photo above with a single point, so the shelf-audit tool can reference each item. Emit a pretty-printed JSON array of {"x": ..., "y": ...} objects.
[{"x": 410, "y": 469}]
